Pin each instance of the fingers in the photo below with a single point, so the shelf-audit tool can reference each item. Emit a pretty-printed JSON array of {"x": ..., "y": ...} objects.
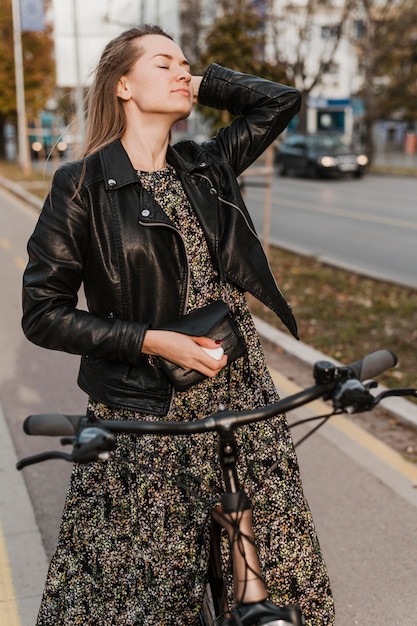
[
  {"x": 206, "y": 342},
  {"x": 195, "y": 84},
  {"x": 211, "y": 366},
  {"x": 184, "y": 351},
  {"x": 214, "y": 350}
]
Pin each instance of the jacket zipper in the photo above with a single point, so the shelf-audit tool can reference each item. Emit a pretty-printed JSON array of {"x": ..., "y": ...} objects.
[
  {"x": 232, "y": 204},
  {"x": 160, "y": 224}
]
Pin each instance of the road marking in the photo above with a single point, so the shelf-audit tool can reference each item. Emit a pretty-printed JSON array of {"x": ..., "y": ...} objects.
[
  {"x": 364, "y": 217},
  {"x": 360, "y": 436},
  {"x": 20, "y": 262},
  {"x": 5, "y": 243},
  {"x": 9, "y": 613}
]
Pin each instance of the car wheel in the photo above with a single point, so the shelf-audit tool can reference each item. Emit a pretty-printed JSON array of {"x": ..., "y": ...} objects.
[
  {"x": 311, "y": 171},
  {"x": 358, "y": 174}
]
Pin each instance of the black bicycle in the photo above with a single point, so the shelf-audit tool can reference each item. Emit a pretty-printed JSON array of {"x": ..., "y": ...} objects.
[{"x": 341, "y": 386}]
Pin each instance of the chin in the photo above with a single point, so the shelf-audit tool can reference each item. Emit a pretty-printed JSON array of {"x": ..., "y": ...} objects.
[{"x": 183, "y": 116}]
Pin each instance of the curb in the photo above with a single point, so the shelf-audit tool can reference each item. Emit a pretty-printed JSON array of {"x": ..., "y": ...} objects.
[
  {"x": 402, "y": 409},
  {"x": 15, "y": 188}
]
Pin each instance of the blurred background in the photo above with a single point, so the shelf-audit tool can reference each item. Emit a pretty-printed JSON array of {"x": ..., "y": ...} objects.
[{"x": 353, "y": 60}]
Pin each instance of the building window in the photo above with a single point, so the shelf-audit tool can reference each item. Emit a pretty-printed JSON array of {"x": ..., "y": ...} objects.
[
  {"x": 330, "y": 32},
  {"x": 329, "y": 67},
  {"x": 359, "y": 29}
]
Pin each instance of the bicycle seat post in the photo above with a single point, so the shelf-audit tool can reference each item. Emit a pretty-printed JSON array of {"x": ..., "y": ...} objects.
[{"x": 235, "y": 516}]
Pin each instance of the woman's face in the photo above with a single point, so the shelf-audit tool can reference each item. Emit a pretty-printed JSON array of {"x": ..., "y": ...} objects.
[{"x": 160, "y": 80}]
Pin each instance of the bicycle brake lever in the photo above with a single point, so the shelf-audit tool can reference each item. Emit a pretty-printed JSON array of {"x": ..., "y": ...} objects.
[
  {"x": 90, "y": 444},
  {"x": 43, "y": 456},
  {"x": 388, "y": 393},
  {"x": 352, "y": 396}
]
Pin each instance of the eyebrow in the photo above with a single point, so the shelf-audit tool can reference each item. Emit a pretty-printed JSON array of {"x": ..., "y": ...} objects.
[{"x": 185, "y": 63}]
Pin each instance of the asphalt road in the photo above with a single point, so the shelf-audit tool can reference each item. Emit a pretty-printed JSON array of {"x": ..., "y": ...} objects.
[
  {"x": 367, "y": 225},
  {"x": 365, "y": 509}
]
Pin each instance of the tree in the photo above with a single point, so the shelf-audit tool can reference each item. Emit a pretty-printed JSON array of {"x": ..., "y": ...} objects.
[
  {"x": 39, "y": 71},
  {"x": 304, "y": 40},
  {"x": 298, "y": 46},
  {"x": 237, "y": 39},
  {"x": 192, "y": 30},
  {"x": 388, "y": 54}
]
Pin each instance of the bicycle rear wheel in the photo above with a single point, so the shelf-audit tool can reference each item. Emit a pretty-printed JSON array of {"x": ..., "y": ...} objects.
[
  {"x": 214, "y": 604},
  {"x": 209, "y": 615}
]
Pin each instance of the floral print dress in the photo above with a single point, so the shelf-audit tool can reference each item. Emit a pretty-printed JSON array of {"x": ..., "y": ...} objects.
[{"x": 134, "y": 537}]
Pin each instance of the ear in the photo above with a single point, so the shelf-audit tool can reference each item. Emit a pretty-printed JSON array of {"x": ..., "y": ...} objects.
[{"x": 122, "y": 89}]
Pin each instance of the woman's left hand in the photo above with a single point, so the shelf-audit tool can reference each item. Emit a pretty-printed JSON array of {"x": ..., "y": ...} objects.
[{"x": 184, "y": 350}]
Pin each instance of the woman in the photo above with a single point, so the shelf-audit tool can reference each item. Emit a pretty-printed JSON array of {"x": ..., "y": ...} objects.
[{"x": 154, "y": 231}]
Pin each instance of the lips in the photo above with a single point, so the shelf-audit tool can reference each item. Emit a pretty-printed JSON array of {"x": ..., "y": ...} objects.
[{"x": 185, "y": 92}]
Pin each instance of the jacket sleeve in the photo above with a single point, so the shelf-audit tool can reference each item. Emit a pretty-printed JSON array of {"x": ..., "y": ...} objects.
[
  {"x": 263, "y": 110},
  {"x": 57, "y": 250}
]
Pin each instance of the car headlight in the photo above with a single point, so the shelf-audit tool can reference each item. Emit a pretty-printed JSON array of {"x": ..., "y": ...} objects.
[
  {"x": 327, "y": 161},
  {"x": 362, "y": 159}
]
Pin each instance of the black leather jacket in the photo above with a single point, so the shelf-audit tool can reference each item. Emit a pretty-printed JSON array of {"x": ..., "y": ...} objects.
[{"x": 99, "y": 227}]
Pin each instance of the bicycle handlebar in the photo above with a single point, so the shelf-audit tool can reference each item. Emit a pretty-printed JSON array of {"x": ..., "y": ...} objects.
[
  {"x": 327, "y": 375},
  {"x": 52, "y": 424},
  {"x": 373, "y": 364}
]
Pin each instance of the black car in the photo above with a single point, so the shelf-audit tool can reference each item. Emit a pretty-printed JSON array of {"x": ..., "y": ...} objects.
[{"x": 318, "y": 156}]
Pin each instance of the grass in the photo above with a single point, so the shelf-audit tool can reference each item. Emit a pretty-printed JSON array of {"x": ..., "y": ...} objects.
[
  {"x": 342, "y": 314},
  {"x": 37, "y": 181},
  {"x": 345, "y": 315}
]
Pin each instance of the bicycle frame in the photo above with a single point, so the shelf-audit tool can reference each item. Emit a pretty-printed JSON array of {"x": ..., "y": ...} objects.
[{"x": 235, "y": 515}]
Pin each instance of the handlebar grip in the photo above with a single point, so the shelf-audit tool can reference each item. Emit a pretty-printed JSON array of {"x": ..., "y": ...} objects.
[
  {"x": 52, "y": 424},
  {"x": 373, "y": 364}
]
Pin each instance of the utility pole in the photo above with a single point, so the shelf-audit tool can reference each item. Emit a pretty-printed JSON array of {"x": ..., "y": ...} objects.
[
  {"x": 23, "y": 147},
  {"x": 142, "y": 12},
  {"x": 79, "y": 92}
]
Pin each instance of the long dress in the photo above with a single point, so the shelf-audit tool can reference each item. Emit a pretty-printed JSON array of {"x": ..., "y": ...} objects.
[{"x": 134, "y": 537}]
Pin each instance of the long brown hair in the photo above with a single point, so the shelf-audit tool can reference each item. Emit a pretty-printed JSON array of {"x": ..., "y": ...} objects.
[{"x": 106, "y": 119}]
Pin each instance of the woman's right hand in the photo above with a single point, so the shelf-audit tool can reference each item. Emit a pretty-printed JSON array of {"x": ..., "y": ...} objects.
[
  {"x": 195, "y": 86},
  {"x": 184, "y": 351}
]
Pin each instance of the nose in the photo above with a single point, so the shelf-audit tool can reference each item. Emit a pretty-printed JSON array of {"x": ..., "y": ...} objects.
[{"x": 184, "y": 74}]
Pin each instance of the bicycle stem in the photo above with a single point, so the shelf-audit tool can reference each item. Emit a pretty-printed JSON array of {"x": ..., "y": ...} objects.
[{"x": 235, "y": 515}]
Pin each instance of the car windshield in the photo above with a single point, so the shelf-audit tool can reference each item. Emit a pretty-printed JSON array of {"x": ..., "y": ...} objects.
[{"x": 325, "y": 142}]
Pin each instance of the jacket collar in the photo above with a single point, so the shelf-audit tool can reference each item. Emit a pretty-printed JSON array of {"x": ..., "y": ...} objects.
[
  {"x": 118, "y": 170},
  {"x": 180, "y": 157}
]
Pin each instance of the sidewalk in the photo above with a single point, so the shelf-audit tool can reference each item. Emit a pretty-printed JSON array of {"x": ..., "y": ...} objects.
[
  {"x": 23, "y": 562},
  {"x": 396, "y": 160}
]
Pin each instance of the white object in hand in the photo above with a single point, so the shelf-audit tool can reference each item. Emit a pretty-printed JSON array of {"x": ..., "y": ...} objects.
[{"x": 215, "y": 353}]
